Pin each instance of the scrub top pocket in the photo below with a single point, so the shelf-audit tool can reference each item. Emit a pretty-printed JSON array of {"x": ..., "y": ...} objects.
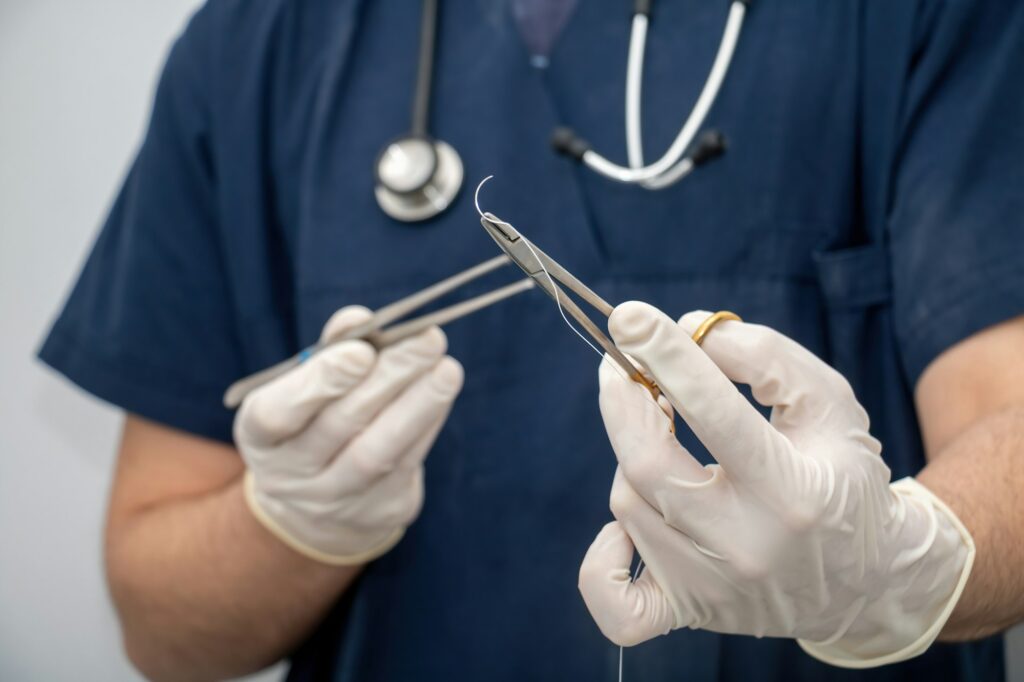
[{"x": 856, "y": 289}]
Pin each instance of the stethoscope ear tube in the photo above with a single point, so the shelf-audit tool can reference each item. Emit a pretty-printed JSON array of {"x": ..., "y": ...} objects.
[
  {"x": 710, "y": 145},
  {"x": 675, "y": 164},
  {"x": 566, "y": 142}
]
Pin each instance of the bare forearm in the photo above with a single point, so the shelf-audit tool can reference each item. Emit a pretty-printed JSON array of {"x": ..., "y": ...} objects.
[
  {"x": 979, "y": 475},
  {"x": 205, "y": 592}
]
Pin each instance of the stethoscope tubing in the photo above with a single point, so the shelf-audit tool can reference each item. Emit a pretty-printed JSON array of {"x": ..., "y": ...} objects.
[{"x": 668, "y": 168}]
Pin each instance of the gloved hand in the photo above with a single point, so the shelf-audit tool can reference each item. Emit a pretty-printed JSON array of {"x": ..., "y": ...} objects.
[
  {"x": 335, "y": 448},
  {"x": 796, "y": 532}
]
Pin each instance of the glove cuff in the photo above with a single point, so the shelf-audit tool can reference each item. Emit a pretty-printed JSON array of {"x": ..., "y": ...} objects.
[
  {"x": 844, "y": 652},
  {"x": 278, "y": 531}
]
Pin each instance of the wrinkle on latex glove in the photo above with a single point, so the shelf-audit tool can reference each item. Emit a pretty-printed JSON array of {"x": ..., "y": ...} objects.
[{"x": 795, "y": 532}]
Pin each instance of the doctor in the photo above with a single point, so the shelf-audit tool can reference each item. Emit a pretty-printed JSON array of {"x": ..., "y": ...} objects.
[{"x": 865, "y": 221}]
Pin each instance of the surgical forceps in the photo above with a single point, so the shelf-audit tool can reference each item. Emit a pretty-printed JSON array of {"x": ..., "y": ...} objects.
[
  {"x": 376, "y": 332},
  {"x": 541, "y": 271}
]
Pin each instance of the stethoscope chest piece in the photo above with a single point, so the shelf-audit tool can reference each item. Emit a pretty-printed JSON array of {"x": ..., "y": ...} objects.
[{"x": 417, "y": 178}]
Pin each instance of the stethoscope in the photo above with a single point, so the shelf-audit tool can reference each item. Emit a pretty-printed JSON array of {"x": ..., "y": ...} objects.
[{"x": 418, "y": 176}]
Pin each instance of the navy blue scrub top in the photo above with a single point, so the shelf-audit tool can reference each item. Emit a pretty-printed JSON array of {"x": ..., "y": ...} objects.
[{"x": 869, "y": 206}]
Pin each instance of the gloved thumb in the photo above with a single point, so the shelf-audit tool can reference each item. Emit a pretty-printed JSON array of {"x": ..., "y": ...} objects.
[{"x": 627, "y": 612}]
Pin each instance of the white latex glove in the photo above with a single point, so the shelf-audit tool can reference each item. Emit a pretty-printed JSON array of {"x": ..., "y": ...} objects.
[
  {"x": 796, "y": 532},
  {"x": 335, "y": 447}
]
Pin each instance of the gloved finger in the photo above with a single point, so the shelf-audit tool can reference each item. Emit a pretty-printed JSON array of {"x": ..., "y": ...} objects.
[
  {"x": 780, "y": 372},
  {"x": 418, "y": 451},
  {"x": 648, "y": 452},
  {"x": 655, "y": 537},
  {"x": 280, "y": 409},
  {"x": 396, "y": 368},
  {"x": 399, "y": 430},
  {"x": 343, "y": 320},
  {"x": 731, "y": 428},
  {"x": 688, "y": 495},
  {"x": 627, "y": 612}
]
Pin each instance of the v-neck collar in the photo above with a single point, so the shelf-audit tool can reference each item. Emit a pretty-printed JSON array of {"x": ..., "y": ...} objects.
[{"x": 540, "y": 24}]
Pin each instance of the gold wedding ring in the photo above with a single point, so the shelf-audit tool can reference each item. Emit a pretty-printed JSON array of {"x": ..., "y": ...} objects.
[{"x": 713, "y": 319}]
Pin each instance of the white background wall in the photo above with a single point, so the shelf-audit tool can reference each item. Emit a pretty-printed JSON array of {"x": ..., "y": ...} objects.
[{"x": 76, "y": 80}]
